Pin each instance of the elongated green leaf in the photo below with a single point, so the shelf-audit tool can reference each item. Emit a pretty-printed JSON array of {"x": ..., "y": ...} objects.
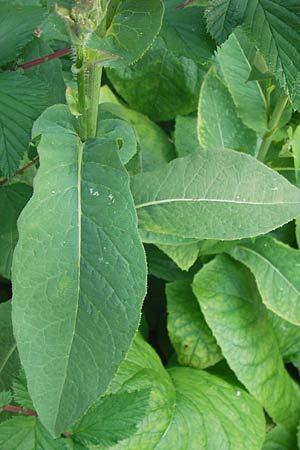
[
  {"x": 185, "y": 136},
  {"x": 13, "y": 198},
  {"x": 9, "y": 360},
  {"x": 224, "y": 194},
  {"x": 166, "y": 81},
  {"x": 183, "y": 255},
  {"x": 279, "y": 438},
  {"x": 218, "y": 123},
  {"x": 17, "y": 25},
  {"x": 288, "y": 338},
  {"x": 137, "y": 21},
  {"x": 192, "y": 339},
  {"x": 276, "y": 270},
  {"x": 233, "y": 310},
  {"x": 77, "y": 302},
  {"x": 247, "y": 95},
  {"x": 113, "y": 419},
  {"x": 26, "y": 433},
  {"x": 22, "y": 101}
]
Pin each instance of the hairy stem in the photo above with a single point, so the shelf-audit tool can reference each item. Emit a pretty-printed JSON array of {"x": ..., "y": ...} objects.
[
  {"x": 17, "y": 409},
  {"x": 31, "y": 163},
  {"x": 273, "y": 125},
  {"x": 81, "y": 95},
  {"x": 95, "y": 74}
]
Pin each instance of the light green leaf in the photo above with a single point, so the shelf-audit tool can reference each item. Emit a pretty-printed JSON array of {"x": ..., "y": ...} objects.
[
  {"x": 185, "y": 136},
  {"x": 224, "y": 194},
  {"x": 121, "y": 132},
  {"x": 9, "y": 360},
  {"x": 22, "y": 101},
  {"x": 232, "y": 308},
  {"x": 247, "y": 95},
  {"x": 155, "y": 148},
  {"x": 276, "y": 269},
  {"x": 13, "y": 198},
  {"x": 18, "y": 23},
  {"x": 279, "y": 438},
  {"x": 166, "y": 81},
  {"x": 88, "y": 277},
  {"x": 218, "y": 123},
  {"x": 5, "y": 398},
  {"x": 113, "y": 419},
  {"x": 183, "y": 255},
  {"x": 20, "y": 390},
  {"x": 191, "y": 337},
  {"x": 137, "y": 21},
  {"x": 26, "y": 433}
]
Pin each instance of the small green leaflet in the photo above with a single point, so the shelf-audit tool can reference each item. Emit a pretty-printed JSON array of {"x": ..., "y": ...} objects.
[
  {"x": 232, "y": 308},
  {"x": 87, "y": 277},
  {"x": 275, "y": 267},
  {"x": 224, "y": 194},
  {"x": 183, "y": 255},
  {"x": 219, "y": 126},
  {"x": 13, "y": 198},
  {"x": 135, "y": 22},
  {"x": 22, "y": 101},
  {"x": 191, "y": 337},
  {"x": 9, "y": 360}
]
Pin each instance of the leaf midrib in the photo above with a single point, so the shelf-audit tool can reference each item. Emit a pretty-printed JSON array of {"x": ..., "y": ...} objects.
[{"x": 213, "y": 200}]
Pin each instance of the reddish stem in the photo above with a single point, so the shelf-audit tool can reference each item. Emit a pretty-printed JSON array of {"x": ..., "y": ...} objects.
[
  {"x": 31, "y": 163},
  {"x": 26, "y": 412},
  {"x": 184, "y": 4},
  {"x": 44, "y": 59}
]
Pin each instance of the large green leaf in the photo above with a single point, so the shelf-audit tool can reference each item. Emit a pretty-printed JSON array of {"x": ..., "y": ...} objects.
[
  {"x": 276, "y": 270},
  {"x": 77, "y": 299},
  {"x": 135, "y": 21},
  {"x": 9, "y": 360},
  {"x": 232, "y": 308},
  {"x": 191, "y": 337},
  {"x": 166, "y": 81},
  {"x": 27, "y": 433},
  {"x": 247, "y": 95},
  {"x": 17, "y": 25},
  {"x": 218, "y": 123},
  {"x": 224, "y": 194},
  {"x": 22, "y": 101},
  {"x": 13, "y": 198}
]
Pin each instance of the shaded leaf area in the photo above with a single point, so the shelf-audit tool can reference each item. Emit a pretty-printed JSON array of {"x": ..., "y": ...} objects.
[
  {"x": 279, "y": 438},
  {"x": 166, "y": 81},
  {"x": 185, "y": 135},
  {"x": 22, "y": 101},
  {"x": 13, "y": 198},
  {"x": 219, "y": 126},
  {"x": 82, "y": 212},
  {"x": 273, "y": 26},
  {"x": 9, "y": 359},
  {"x": 184, "y": 256},
  {"x": 224, "y": 195},
  {"x": 232, "y": 308}
]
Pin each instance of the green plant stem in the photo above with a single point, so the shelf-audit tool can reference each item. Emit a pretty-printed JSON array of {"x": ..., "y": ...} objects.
[
  {"x": 81, "y": 95},
  {"x": 95, "y": 75},
  {"x": 273, "y": 125}
]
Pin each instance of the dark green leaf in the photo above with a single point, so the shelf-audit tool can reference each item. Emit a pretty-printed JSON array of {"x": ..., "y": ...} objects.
[{"x": 9, "y": 360}]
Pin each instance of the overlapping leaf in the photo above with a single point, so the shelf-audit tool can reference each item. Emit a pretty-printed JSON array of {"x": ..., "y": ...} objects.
[{"x": 86, "y": 282}]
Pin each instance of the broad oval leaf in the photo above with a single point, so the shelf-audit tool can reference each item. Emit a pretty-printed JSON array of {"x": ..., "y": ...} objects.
[
  {"x": 77, "y": 299},
  {"x": 135, "y": 21},
  {"x": 224, "y": 194},
  {"x": 232, "y": 308},
  {"x": 275, "y": 267}
]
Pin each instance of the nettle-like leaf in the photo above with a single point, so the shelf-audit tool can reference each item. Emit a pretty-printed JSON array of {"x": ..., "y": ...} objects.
[
  {"x": 77, "y": 301},
  {"x": 232, "y": 308},
  {"x": 13, "y": 198},
  {"x": 273, "y": 25},
  {"x": 189, "y": 333},
  {"x": 9, "y": 360},
  {"x": 247, "y": 95},
  {"x": 279, "y": 438},
  {"x": 5, "y": 398},
  {"x": 113, "y": 419},
  {"x": 276, "y": 270},
  {"x": 18, "y": 23},
  {"x": 224, "y": 194},
  {"x": 166, "y": 81},
  {"x": 26, "y": 433},
  {"x": 137, "y": 21},
  {"x": 20, "y": 390},
  {"x": 22, "y": 101},
  {"x": 218, "y": 123}
]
